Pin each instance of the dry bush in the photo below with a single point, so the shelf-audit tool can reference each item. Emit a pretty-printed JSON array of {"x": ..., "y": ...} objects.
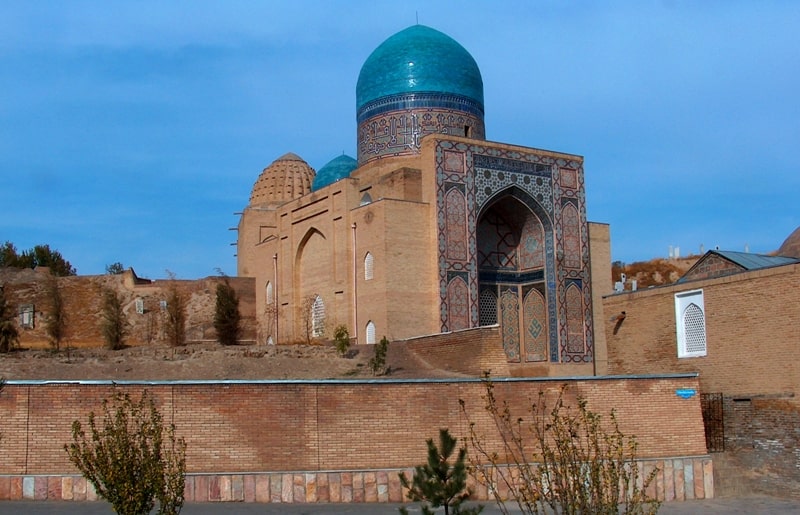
[{"x": 559, "y": 459}]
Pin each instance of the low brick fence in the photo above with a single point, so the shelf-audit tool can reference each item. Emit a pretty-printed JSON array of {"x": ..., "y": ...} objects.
[{"x": 334, "y": 441}]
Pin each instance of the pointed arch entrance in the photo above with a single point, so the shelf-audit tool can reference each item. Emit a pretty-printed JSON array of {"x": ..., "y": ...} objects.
[{"x": 514, "y": 258}]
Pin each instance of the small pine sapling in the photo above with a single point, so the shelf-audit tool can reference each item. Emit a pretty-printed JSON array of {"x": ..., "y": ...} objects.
[
  {"x": 377, "y": 363},
  {"x": 439, "y": 483}
]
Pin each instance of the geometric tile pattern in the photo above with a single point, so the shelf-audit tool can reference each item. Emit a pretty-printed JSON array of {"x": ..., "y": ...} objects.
[
  {"x": 509, "y": 323},
  {"x": 574, "y": 304},
  {"x": 553, "y": 240},
  {"x": 535, "y": 319},
  {"x": 458, "y": 307},
  {"x": 456, "y": 213}
]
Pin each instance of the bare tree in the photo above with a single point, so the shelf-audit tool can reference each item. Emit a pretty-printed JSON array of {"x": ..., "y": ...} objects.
[
  {"x": 56, "y": 325},
  {"x": 114, "y": 322},
  {"x": 271, "y": 320},
  {"x": 176, "y": 316},
  {"x": 558, "y": 459},
  {"x": 9, "y": 334},
  {"x": 307, "y": 316}
]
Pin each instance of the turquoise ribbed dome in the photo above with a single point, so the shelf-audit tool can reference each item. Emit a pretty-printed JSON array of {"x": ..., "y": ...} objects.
[
  {"x": 336, "y": 169},
  {"x": 419, "y": 59}
]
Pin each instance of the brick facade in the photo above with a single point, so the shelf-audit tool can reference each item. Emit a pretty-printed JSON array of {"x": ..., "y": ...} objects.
[
  {"x": 751, "y": 323},
  {"x": 353, "y": 436}
]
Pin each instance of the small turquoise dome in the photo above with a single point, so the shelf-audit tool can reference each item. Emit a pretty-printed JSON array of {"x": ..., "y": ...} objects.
[
  {"x": 415, "y": 60},
  {"x": 336, "y": 169}
]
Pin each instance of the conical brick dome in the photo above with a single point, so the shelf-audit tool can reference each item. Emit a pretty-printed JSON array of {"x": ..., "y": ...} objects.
[
  {"x": 791, "y": 247},
  {"x": 287, "y": 178}
]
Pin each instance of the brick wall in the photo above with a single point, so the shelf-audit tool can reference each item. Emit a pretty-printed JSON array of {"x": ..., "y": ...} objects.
[
  {"x": 475, "y": 351},
  {"x": 253, "y": 428},
  {"x": 752, "y": 335},
  {"x": 82, "y": 296},
  {"x": 752, "y": 325},
  {"x": 471, "y": 351},
  {"x": 713, "y": 265}
]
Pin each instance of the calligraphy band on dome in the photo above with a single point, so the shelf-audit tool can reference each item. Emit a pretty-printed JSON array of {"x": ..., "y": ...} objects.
[{"x": 420, "y": 100}]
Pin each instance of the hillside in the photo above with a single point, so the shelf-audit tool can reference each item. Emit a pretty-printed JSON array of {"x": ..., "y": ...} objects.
[
  {"x": 656, "y": 272},
  {"x": 209, "y": 361}
]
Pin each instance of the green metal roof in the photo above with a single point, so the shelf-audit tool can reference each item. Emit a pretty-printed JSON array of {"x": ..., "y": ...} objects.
[{"x": 750, "y": 261}]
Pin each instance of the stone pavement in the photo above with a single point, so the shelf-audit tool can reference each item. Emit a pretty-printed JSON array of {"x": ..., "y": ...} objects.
[{"x": 736, "y": 506}]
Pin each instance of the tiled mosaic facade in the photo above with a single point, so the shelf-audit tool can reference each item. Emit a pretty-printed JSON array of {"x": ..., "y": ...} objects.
[
  {"x": 514, "y": 249},
  {"x": 395, "y": 125}
]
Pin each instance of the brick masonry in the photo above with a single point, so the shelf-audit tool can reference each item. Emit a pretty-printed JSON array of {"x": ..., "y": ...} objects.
[
  {"x": 752, "y": 337},
  {"x": 340, "y": 441},
  {"x": 82, "y": 296}
]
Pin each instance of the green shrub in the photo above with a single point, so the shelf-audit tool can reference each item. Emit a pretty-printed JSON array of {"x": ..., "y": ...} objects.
[
  {"x": 341, "y": 339},
  {"x": 227, "y": 319},
  {"x": 133, "y": 460}
]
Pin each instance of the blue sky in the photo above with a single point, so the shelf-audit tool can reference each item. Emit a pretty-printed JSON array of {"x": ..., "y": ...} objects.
[{"x": 133, "y": 131}]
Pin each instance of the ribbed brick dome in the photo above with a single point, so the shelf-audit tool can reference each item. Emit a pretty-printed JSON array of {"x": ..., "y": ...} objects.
[
  {"x": 287, "y": 178},
  {"x": 791, "y": 247}
]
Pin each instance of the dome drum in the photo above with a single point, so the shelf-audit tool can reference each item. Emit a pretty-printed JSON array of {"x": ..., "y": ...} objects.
[
  {"x": 418, "y": 82},
  {"x": 421, "y": 100},
  {"x": 400, "y": 132}
]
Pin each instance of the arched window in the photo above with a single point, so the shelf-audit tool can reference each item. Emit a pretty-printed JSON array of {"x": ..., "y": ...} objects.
[
  {"x": 370, "y": 332},
  {"x": 368, "y": 259},
  {"x": 691, "y": 324},
  {"x": 270, "y": 293},
  {"x": 317, "y": 317},
  {"x": 366, "y": 198}
]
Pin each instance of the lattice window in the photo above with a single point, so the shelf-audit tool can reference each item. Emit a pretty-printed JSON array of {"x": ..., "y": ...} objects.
[
  {"x": 317, "y": 317},
  {"x": 270, "y": 293},
  {"x": 368, "y": 267},
  {"x": 370, "y": 332},
  {"x": 690, "y": 324},
  {"x": 488, "y": 307}
]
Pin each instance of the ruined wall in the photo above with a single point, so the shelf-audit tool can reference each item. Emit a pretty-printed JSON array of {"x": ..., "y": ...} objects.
[
  {"x": 238, "y": 430},
  {"x": 82, "y": 297}
]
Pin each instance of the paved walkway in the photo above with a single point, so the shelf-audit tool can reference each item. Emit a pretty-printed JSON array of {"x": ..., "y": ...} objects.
[{"x": 750, "y": 505}]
